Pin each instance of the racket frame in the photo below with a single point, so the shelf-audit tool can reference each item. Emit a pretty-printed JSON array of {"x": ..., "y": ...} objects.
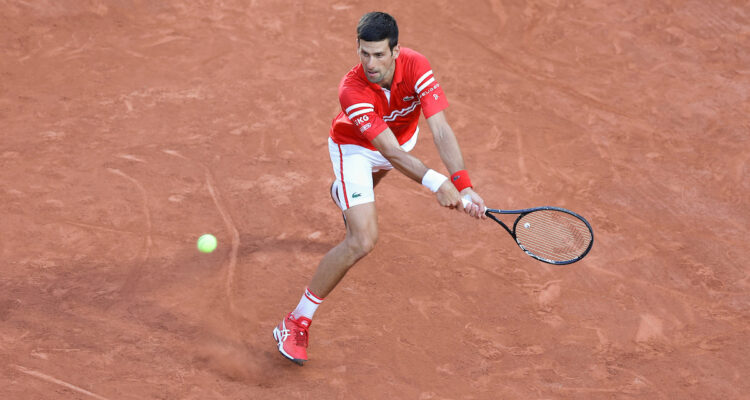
[{"x": 489, "y": 212}]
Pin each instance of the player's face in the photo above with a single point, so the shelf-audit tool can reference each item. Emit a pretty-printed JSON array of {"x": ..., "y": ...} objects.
[{"x": 378, "y": 61}]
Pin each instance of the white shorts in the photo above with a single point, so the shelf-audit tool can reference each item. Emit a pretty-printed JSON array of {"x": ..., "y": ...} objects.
[{"x": 354, "y": 165}]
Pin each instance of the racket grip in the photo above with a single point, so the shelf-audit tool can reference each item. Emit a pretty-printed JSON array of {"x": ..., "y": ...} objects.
[{"x": 466, "y": 200}]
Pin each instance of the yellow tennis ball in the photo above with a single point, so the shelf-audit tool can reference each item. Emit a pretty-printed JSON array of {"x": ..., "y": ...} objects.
[{"x": 207, "y": 243}]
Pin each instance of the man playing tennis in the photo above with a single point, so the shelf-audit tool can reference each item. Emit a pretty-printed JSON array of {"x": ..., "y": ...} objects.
[{"x": 381, "y": 99}]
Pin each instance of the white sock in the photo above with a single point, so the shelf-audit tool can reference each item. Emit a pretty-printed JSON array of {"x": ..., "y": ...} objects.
[{"x": 307, "y": 305}]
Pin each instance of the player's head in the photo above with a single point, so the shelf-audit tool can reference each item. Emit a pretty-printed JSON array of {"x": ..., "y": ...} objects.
[
  {"x": 377, "y": 45},
  {"x": 376, "y": 26}
]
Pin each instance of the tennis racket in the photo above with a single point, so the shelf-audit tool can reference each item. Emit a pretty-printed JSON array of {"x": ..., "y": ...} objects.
[{"x": 549, "y": 234}]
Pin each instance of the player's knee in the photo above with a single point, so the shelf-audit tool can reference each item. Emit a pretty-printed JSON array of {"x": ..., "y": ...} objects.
[
  {"x": 367, "y": 244},
  {"x": 363, "y": 244}
]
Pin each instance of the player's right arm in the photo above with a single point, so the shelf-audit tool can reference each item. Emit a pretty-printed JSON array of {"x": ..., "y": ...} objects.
[{"x": 414, "y": 168}]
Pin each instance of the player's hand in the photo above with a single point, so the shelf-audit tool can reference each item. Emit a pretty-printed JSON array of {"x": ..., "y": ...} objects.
[
  {"x": 476, "y": 208},
  {"x": 448, "y": 196}
]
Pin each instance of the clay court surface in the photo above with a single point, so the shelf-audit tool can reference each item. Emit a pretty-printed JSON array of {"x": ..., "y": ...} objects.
[{"x": 129, "y": 128}]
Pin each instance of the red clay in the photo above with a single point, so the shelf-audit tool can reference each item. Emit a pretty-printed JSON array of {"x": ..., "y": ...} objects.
[{"x": 130, "y": 128}]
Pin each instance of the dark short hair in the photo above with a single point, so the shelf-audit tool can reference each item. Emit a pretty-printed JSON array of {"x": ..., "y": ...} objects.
[{"x": 376, "y": 26}]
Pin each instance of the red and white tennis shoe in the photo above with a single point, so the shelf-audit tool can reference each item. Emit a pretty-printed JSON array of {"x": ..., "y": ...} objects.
[{"x": 291, "y": 336}]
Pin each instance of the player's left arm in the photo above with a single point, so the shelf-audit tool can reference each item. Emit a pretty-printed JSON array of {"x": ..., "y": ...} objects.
[{"x": 450, "y": 153}]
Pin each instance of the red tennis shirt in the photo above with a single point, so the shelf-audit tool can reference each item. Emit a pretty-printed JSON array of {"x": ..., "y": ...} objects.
[{"x": 367, "y": 110}]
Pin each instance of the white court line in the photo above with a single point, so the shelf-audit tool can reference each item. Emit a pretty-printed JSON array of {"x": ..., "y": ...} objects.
[
  {"x": 235, "y": 237},
  {"x": 228, "y": 222},
  {"x": 133, "y": 275},
  {"x": 58, "y": 382}
]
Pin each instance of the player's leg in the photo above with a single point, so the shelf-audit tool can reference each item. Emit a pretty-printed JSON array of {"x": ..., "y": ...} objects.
[
  {"x": 357, "y": 171},
  {"x": 357, "y": 199},
  {"x": 361, "y": 236},
  {"x": 353, "y": 167}
]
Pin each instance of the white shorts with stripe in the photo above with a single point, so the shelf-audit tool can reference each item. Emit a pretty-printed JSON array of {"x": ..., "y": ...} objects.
[{"x": 354, "y": 165}]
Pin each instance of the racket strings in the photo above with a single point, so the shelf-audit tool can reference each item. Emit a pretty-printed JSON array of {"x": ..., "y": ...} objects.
[{"x": 553, "y": 235}]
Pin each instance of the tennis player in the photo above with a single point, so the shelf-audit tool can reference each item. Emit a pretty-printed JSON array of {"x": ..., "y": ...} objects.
[{"x": 381, "y": 99}]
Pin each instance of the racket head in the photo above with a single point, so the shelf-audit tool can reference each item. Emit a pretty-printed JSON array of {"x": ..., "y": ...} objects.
[{"x": 553, "y": 235}]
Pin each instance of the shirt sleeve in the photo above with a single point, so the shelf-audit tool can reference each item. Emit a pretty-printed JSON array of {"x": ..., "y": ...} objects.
[
  {"x": 360, "y": 109},
  {"x": 428, "y": 89}
]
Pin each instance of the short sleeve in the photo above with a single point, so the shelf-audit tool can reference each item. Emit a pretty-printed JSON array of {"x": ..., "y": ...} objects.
[
  {"x": 360, "y": 109},
  {"x": 428, "y": 89}
]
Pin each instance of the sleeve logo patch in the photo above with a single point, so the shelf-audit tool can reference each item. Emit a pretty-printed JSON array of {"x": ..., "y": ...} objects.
[
  {"x": 428, "y": 91},
  {"x": 360, "y": 120}
]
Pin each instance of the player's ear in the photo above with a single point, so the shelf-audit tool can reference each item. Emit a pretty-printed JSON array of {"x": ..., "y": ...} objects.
[{"x": 396, "y": 50}]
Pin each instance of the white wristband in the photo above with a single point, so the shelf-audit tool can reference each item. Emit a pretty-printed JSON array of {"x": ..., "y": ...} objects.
[{"x": 433, "y": 180}]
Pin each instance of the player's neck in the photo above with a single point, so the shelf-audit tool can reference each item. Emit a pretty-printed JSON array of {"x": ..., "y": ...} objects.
[{"x": 388, "y": 80}]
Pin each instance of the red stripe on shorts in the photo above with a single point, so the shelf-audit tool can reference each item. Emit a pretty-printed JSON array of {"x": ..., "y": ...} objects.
[{"x": 341, "y": 168}]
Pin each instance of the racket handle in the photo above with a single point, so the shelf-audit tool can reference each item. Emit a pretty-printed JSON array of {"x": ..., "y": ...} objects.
[{"x": 466, "y": 200}]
